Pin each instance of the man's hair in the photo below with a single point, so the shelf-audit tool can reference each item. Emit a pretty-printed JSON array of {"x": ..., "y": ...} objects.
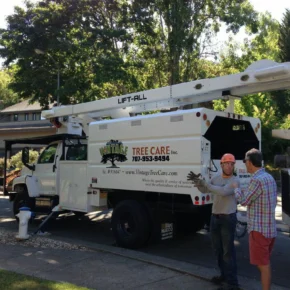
[{"x": 255, "y": 156}]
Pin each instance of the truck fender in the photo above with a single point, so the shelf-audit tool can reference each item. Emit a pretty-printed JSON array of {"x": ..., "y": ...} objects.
[{"x": 30, "y": 182}]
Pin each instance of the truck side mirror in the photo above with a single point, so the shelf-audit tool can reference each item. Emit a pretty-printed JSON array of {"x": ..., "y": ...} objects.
[
  {"x": 25, "y": 155},
  {"x": 25, "y": 158}
]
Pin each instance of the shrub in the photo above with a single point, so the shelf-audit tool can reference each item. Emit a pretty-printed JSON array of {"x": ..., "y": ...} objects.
[{"x": 16, "y": 159}]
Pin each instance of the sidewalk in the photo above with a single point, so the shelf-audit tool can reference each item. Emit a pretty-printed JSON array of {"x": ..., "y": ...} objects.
[
  {"x": 104, "y": 267},
  {"x": 95, "y": 269}
]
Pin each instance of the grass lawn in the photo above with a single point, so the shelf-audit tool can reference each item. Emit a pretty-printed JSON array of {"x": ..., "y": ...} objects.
[{"x": 14, "y": 281}]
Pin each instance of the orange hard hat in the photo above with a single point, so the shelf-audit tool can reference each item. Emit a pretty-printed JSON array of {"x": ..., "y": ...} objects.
[{"x": 228, "y": 158}]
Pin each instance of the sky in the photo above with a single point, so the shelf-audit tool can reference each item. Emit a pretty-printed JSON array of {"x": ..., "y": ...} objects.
[{"x": 276, "y": 8}]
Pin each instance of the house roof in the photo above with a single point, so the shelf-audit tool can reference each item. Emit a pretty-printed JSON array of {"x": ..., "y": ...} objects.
[
  {"x": 6, "y": 126},
  {"x": 23, "y": 106}
]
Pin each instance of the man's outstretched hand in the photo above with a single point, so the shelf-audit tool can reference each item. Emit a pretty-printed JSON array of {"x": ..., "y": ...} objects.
[
  {"x": 192, "y": 176},
  {"x": 197, "y": 181}
]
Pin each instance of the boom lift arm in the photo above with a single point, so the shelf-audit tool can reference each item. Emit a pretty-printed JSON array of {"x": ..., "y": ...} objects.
[{"x": 261, "y": 76}]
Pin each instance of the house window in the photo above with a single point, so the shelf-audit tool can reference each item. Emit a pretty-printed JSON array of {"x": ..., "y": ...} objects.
[
  {"x": 15, "y": 117},
  {"x": 34, "y": 116},
  {"x": 26, "y": 117}
]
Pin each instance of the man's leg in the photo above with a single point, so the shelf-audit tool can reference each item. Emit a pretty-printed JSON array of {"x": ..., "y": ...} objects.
[
  {"x": 265, "y": 276},
  {"x": 216, "y": 240},
  {"x": 260, "y": 251},
  {"x": 229, "y": 252}
]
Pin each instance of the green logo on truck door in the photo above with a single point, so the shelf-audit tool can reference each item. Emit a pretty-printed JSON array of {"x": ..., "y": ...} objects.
[{"x": 114, "y": 151}]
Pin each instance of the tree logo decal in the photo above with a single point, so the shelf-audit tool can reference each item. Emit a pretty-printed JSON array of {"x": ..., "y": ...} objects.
[{"x": 113, "y": 151}]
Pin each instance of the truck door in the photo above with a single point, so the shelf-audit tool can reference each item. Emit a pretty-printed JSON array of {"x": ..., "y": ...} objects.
[
  {"x": 46, "y": 170},
  {"x": 73, "y": 178}
]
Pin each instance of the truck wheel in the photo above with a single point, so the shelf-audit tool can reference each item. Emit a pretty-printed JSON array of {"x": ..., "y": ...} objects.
[
  {"x": 22, "y": 199},
  {"x": 131, "y": 224}
]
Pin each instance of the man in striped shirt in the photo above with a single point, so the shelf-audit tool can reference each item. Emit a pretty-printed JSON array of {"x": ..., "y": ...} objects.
[{"x": 261, "y": 199}]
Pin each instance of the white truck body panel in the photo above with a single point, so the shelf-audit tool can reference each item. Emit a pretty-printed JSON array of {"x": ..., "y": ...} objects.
[{"x": 160, "y": 150}]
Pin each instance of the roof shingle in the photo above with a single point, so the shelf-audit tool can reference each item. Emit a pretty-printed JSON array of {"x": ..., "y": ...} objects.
[{"x": 23, "y": 106}]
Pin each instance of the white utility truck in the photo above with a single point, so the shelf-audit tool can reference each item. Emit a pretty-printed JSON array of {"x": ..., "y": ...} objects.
[{"x": 140, "y": 166}]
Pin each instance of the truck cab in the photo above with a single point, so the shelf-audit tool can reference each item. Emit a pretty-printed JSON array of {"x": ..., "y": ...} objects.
[{"x": 38, "y": 185}]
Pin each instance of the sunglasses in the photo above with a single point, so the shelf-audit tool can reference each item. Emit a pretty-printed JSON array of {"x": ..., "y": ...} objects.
[{"x": 245, "y": 160}]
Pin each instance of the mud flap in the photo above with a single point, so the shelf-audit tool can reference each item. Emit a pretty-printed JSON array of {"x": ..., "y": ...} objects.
[{"x": 164, "y": 226}]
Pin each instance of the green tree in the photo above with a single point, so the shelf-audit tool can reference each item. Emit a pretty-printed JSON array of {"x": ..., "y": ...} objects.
[
  {"x": 84, "y": 39},
  {"x": 104, "y": 48},
  {"x": 178, "y": 31},
  {"x": 7, "y": 96},
  {"x": 284, "y": 37},
  {"x": 261, "y": 45}
]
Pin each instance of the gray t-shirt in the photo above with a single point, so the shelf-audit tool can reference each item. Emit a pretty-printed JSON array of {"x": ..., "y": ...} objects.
[{"x": 224, "y": 201}]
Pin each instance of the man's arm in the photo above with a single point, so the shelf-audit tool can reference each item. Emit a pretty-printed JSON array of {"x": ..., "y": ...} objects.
[
  {"x": 201, "y": 185},
  {"x": 221, "y": 190},
  {"x": 246, "y": 197}
]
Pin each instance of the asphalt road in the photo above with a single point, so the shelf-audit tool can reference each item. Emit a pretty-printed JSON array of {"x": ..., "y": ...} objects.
[{"x": 195, "y": 249}]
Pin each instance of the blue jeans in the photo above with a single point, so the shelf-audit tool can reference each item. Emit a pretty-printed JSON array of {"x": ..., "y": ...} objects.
[{"x": 222, "y": 229}]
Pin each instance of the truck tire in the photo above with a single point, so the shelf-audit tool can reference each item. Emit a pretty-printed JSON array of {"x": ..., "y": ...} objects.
[
  {"x": 22, "y": 199},
  {"x": 131, "y": 224}
]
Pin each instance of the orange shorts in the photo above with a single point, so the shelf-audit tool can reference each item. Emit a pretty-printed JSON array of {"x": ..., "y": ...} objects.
[{"x": 260, "y": 249}]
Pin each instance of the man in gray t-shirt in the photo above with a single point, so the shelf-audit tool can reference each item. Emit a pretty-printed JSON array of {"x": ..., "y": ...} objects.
[{"x": 223, "y": 220}]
